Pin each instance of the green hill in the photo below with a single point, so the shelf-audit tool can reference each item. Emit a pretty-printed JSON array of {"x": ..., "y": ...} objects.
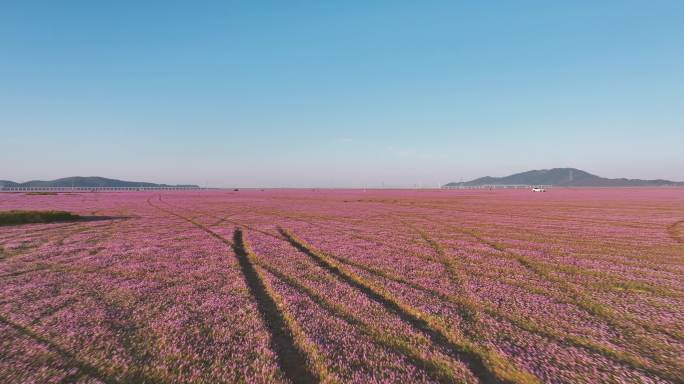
[{"x": 567, "y": 177}]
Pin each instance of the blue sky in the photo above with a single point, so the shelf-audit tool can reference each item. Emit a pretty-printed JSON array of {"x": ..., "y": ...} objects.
[{"x": 345, "y": 93}]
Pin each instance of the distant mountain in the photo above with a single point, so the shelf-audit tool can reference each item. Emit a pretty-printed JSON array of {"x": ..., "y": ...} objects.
[
  {"x": 87, "y": 182},
  {"x": 563, "y": 177}
]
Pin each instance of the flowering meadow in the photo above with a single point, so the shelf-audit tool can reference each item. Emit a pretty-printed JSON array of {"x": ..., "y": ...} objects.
[{"x": 345, "y": 286}]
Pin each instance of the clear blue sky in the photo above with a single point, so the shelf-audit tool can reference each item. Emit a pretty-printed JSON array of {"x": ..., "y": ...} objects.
[{"x": 348, "y": 93}]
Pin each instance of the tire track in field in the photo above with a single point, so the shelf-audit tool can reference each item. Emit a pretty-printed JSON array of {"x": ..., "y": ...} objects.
[
  {"x": 300, "y": 359},
  {"x": 118, "y": 319},
  {"x": 452, "y": 208},
  {"x": 563, "y": 268},
  {"x": 297, "y": 358},
  {"x": 58, "y": 238},
  {"x": 429, "y": 219},
  {"x": 577, "y": 296},
  {"x": 50, "y": 311},
  {"x": 525, "y": 324},
  {"x": 83, "y": 367},
  {"x": 41, "y": 265},
  {"x": 226, "y": 219},
  {"x": 456, "y": 274},
  {"x": 55, "y": 227},
  {"x": 519, "y": 322},
  {"x": 469, "y": 307},
  {"x": 485, "y": 365},
  {"x": 436, "y": 368},
  {"x": 676, "y": 234}
]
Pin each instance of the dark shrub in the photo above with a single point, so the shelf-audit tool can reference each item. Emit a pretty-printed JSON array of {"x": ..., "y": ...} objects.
[{"x": 29, "y": 217}]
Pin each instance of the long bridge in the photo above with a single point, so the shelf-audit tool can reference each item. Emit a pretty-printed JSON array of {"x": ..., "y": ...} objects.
[
  {"x": 494, "y": 186},
  {"x": 96, "y": 189}
]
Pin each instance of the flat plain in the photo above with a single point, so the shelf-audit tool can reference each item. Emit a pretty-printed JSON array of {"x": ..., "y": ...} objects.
[{"x": 401, "y": 286}]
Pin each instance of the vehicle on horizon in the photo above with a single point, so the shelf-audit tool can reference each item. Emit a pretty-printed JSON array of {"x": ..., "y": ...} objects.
[{"x": 538, "y": 189}]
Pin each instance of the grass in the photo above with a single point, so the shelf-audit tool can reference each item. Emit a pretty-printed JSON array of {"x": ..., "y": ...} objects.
[{"x": 32, "y": 217}]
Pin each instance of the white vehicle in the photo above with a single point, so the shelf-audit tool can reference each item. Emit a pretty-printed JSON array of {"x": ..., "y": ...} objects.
[{"x": 538, "y": 189}]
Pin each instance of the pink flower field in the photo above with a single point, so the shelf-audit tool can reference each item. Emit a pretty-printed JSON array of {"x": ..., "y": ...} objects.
[{"x": 345, "y": 286}]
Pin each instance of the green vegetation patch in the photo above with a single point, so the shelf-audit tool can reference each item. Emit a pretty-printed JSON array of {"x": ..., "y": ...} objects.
[{"x": 31, "y": 217}]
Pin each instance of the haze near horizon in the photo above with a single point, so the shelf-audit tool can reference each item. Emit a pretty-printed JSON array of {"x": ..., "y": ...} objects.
[{"x": 340, "y": 94}]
